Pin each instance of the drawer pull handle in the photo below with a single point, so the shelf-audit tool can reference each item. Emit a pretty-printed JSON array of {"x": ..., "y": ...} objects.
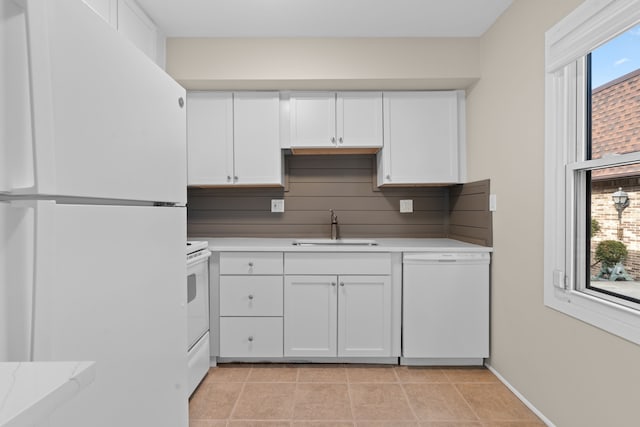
[
  {"x": 250, "y": 338},
  {"x": 250, "y": 296}
]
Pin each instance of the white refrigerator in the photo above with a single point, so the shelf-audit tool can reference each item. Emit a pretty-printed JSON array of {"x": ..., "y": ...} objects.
[{"x": 92, "y": 216}]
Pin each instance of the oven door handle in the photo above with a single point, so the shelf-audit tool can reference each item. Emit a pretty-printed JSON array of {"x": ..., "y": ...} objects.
[{"x": 200, "y": 256}]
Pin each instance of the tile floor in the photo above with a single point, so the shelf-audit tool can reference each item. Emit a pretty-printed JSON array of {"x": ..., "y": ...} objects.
[{"x": 354, "y": 395}]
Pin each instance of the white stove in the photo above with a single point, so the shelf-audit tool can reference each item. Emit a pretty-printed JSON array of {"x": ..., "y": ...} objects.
[
  {"x": 197, "y": 311},
  {"x": 195, "y": 245}
]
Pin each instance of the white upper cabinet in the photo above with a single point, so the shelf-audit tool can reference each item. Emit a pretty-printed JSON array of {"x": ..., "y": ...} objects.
[
  {"x": 134, "y": 24},
  {"x": 359, "y": 119},
  {"x": 209, "y": 138},
  {"x": 126, "y": 17},
  {"x": 336, "y": 120},
  {"x": 313, "y": 119},
  {"x": 234, "y": 139},
  {"x": 256, "y": 136},
  {"x": 424, "y": 138}
]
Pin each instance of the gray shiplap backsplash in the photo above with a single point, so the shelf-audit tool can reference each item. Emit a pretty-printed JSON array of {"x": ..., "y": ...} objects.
[{"x": 316, "y": 184}]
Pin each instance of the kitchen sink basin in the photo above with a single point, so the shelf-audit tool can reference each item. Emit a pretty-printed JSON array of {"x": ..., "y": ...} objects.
[{"x": 338, "y": 242}]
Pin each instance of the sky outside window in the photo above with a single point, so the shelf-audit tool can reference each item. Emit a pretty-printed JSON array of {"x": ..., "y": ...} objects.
[{"x": 616, "y": 58}]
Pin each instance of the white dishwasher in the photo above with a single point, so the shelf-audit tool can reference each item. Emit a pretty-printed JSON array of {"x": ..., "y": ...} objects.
[{"x": 445, "y": 308}]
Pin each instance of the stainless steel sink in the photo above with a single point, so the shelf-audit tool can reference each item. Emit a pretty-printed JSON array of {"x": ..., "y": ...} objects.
[{"x": 338, "y": 242}]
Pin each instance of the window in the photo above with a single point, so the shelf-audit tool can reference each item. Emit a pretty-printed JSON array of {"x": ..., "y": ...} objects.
[{"x": 592, "y": 166}]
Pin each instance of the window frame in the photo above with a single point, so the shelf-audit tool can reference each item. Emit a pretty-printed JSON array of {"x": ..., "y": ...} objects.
[{"x": 593, "y": 23}]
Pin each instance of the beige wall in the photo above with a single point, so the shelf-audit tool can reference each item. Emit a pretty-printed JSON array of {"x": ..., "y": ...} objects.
[
  {"x": 422, "y": 63},
  {"x": 575, "y": 374}
]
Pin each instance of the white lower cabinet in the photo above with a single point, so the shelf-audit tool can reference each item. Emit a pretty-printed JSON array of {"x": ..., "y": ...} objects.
[
  {"x": 251, "y": 295},
  {"x": 251, "y": 337},
  {"x": 250, "y": 291},
  {"x": 311, "y": 305},
  {"x": 311, "y": 316},
  {"x": 335, "y": 315}
]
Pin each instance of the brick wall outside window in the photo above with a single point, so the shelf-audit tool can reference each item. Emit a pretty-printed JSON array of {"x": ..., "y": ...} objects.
[{"x": 616, "y": 129}]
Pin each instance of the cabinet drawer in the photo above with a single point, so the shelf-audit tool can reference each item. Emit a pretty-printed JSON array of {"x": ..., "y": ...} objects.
[
  {"x": 251, "y": 263},
  {"x": 368, "y": 263},
  {"x": 251, "y": 296},
  {"x": 251, "y": 337}
]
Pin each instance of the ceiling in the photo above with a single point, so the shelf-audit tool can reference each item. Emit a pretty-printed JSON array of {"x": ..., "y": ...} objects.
[{"x": 324, "y": 18}]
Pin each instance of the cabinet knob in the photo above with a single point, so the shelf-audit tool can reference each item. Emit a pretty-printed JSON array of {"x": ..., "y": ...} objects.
[
  {"x": 333, "y": 139},
  {"x": 250, "y": 296},
  {"x": 250, "y": 338},
  {"x": 340, "y": 140},
  {"x": 250, "y": 263},
  {"x": 333, "y": 283},
  {"x": 235, "y": 178},
  {"x": 388, "y": 177},
  {"x": 341, "y": 283},
  {"x": 181, "y": 102},
  {"x": 228, "y": 177}
]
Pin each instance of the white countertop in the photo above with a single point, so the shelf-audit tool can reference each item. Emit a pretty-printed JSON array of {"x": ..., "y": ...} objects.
[
  {"x": 31, "y": 391},
  {"x": 231, "y": 244}
]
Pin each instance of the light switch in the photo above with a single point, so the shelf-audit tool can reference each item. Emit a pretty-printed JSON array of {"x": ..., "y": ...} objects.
[
  {"x": 406, "y": 206},
  {"x": 493, "y": 203},
  {"x": 277, "y": 205}
]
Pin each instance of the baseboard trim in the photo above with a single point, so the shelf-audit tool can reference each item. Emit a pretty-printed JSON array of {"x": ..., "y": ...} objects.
[{"x": 523, "y": 399}]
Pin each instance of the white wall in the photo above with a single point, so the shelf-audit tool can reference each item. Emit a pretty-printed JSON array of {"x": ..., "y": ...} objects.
[
  {"x": 575, "y": 374},
  {"x": 319, "y": 63}
]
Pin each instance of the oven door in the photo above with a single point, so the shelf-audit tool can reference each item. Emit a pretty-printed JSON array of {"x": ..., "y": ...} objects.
[{"x": 197, "y": 296}]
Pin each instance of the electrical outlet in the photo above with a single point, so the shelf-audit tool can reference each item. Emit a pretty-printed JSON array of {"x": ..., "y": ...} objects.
[
  {"x": 277, "y": 205},
  {"x": 406, "y": 206}
]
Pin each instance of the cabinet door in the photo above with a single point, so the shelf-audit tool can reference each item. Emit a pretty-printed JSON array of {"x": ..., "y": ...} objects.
[
  {"x": 256, "y": 138},
  {"x": 364, "y": 316},
  {"x": 313, "y": 120},
  {"x": 420, "y": 138},
  {"x": 359, "y": 119},
  {"x": 310, "y": 315},
  {"x": 209, "y": 138}
]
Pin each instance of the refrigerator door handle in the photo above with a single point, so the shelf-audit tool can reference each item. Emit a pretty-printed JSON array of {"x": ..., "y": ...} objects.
[
  {"x": 41, "y": 96},
  {"x": 43, "y": 277},
  {"x": 16, "y": 142},
  {"x": 25, "y": 264},
  {"x": 26, "y": 146}
]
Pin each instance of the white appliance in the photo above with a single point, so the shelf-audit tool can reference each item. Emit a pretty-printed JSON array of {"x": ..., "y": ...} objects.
[
  {"x": 92, "y": 217},
  {"x": 445, "y": 308},
  {"x": 197, "y": 312}
]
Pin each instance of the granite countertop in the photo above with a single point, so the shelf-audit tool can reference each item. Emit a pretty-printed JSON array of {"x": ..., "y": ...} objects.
[
  {"x": 31, "y": 391},
  {"x": 231, "y": 244}
]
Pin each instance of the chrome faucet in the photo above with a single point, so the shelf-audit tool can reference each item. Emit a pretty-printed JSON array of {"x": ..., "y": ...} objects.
[{"x": 334, "y": 225}]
